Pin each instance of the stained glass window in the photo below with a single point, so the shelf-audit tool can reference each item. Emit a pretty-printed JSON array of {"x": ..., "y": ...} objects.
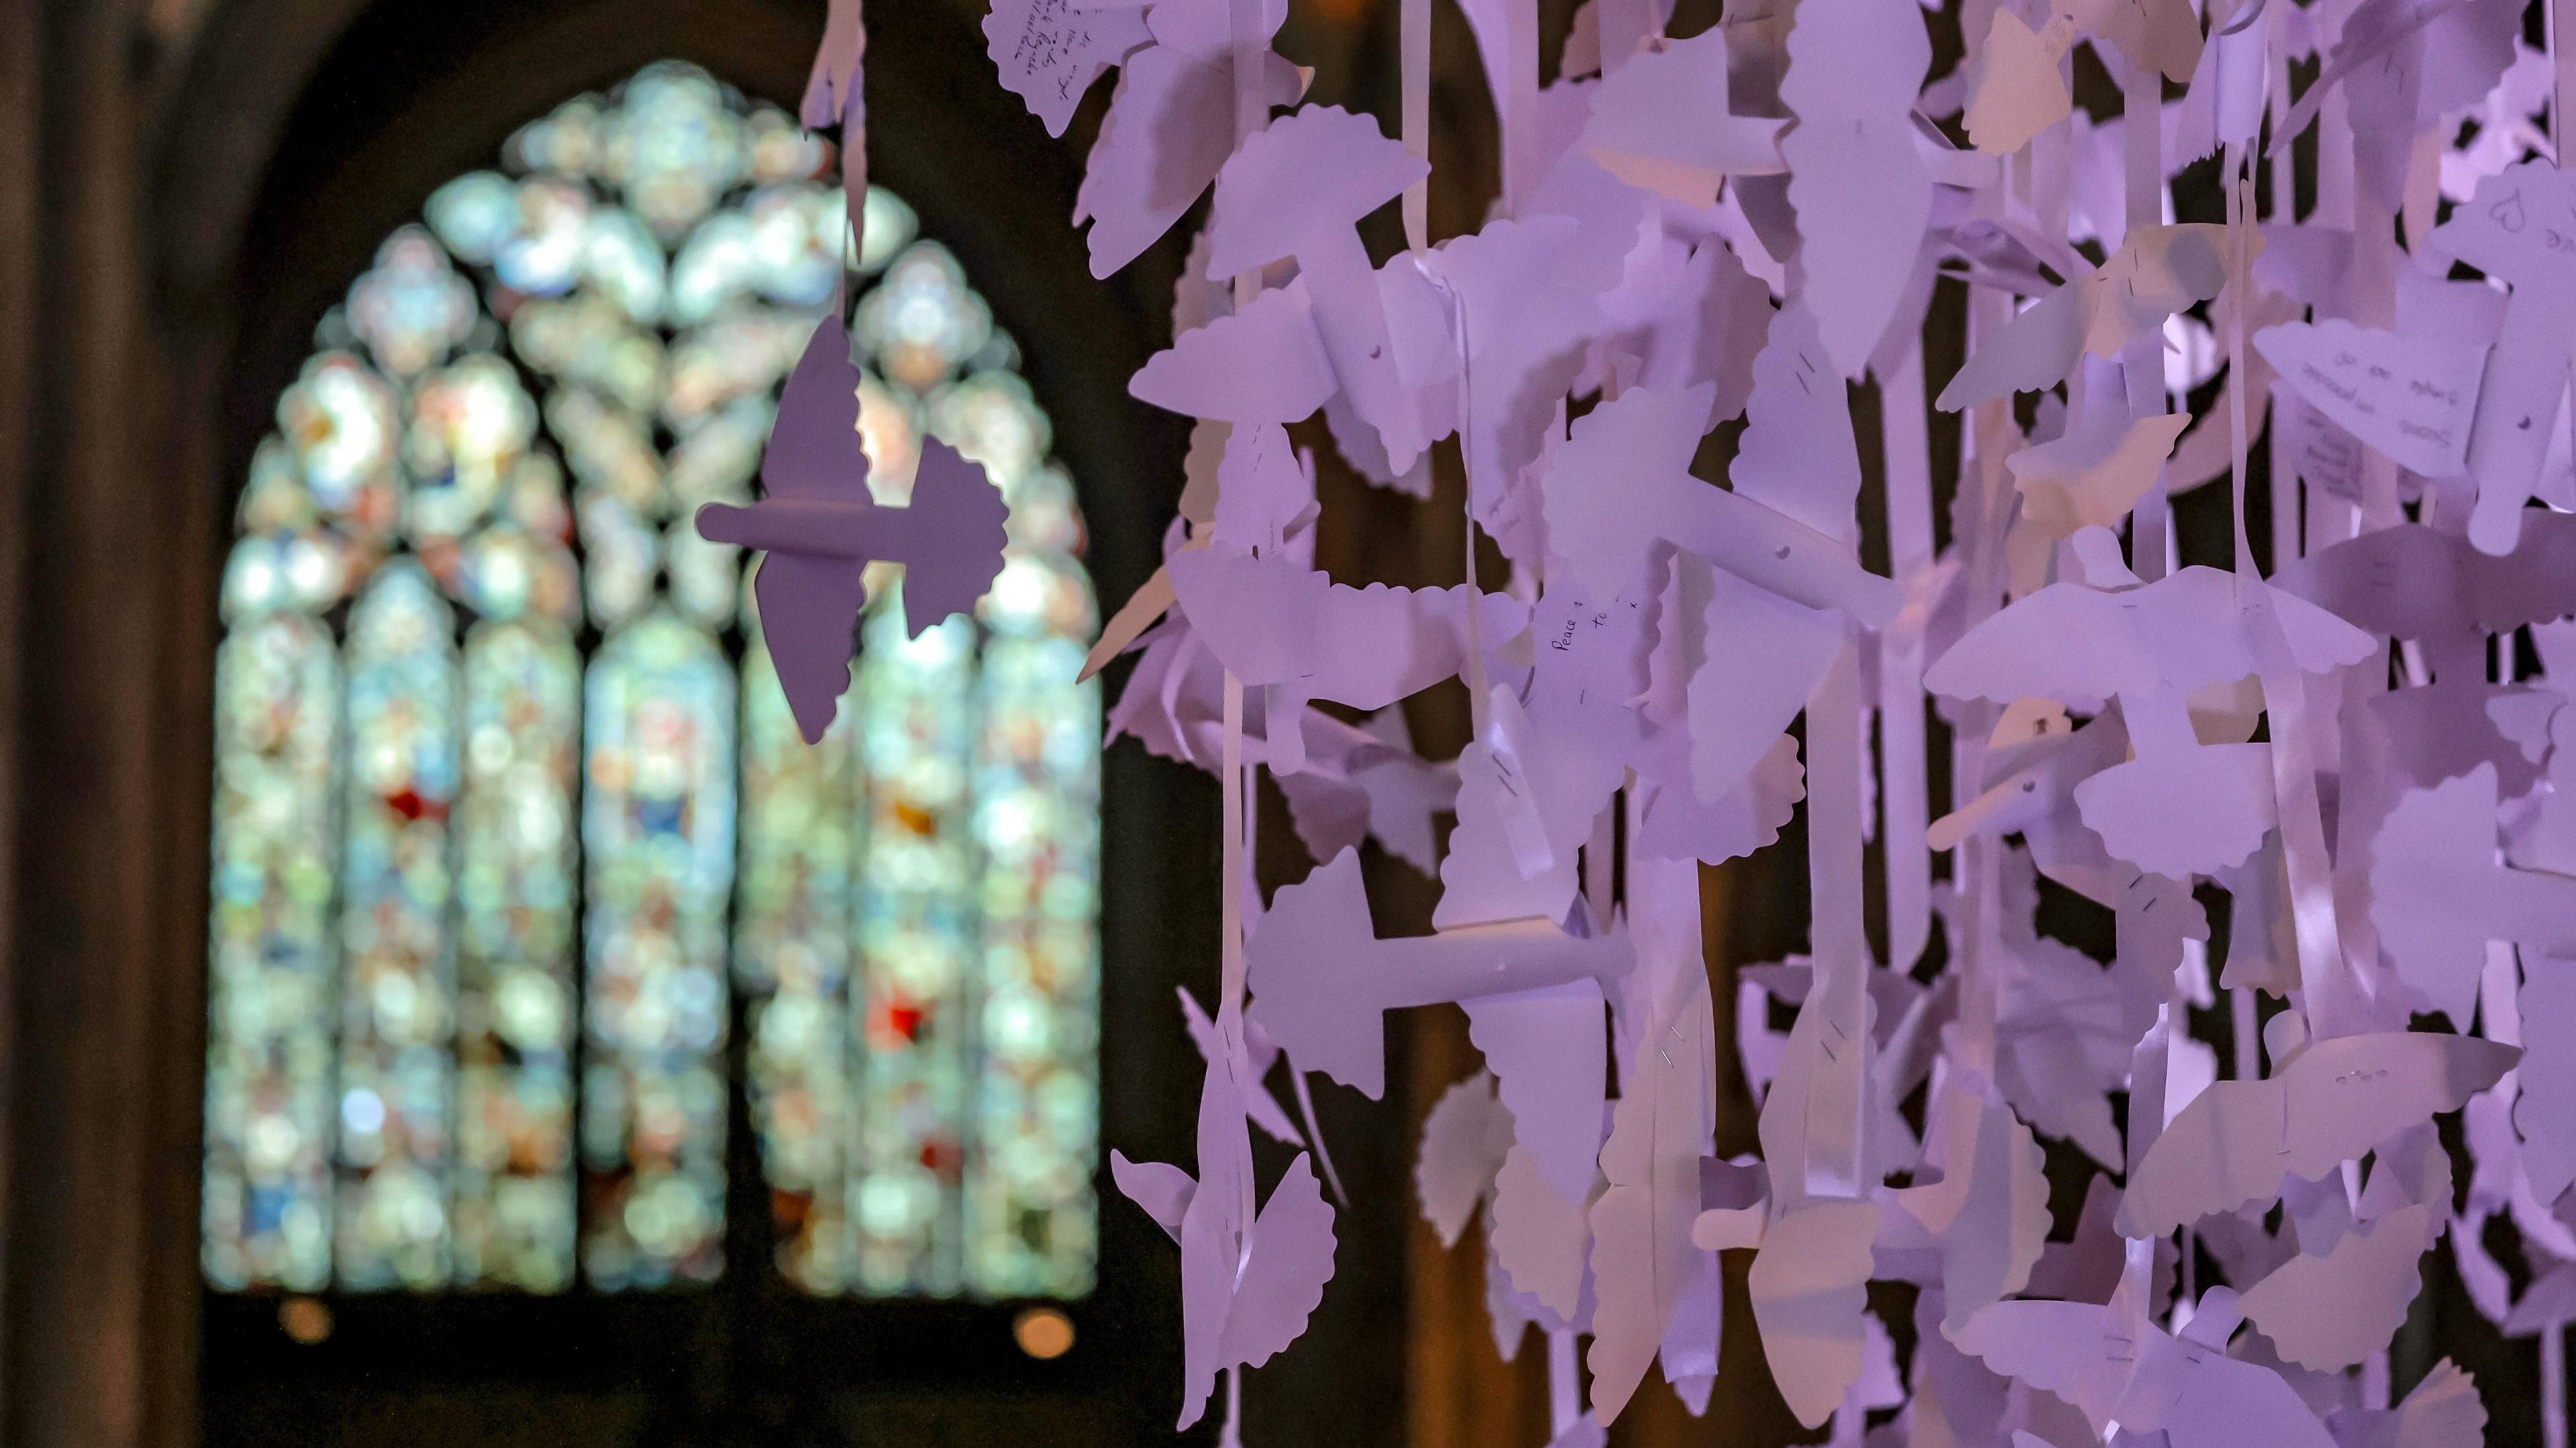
[{"x": 512, "y": 829}]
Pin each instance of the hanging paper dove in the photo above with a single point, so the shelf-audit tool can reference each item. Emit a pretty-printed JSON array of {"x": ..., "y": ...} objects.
[
  {"x": 835, "y": 96},
  {"x": 820, "y": 531}
]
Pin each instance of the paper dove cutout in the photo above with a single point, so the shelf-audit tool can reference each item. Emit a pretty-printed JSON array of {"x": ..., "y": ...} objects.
[
  {"x": 2158, "y": 33},
  {"x": 1353, "y": 783},
  {"x": 1274, "y": 622},
  {"x": 1464, "y": 1141},
  {"x": 1525, "y": 804},
  {"x": 2331, "y": 1310},
  {"x": 1623, "y": 484},
  {"x": 2064, "y": 1032},
  {"x": 836, "y": 96},
  {"x": 1050, "y": 51},
  {"x": 1322, "y": 981},
  {"x": 1248, "y": 1281},
  {"x": 1988, "y": 1215},
  {"x": 2412, "y": 398},
  {"x": 2158, "y": 271},
  {"x": 832, "y": 84},
  {"x": 2232, "y": 1146},
  {"x": 2543, "y": 1109},
  {"x": 2018, "y": 92},
  {"x": 2091, "y": 476},
  {"x": 2515, "y": 229},
  {"x": 2180, "y": 807},
  {"x": 1170, "y": 126},
  {"x": 1642, "y": 1253},
  {"x": 1527, "y": 334},
  {"x": 2439, "y": 894},
  {"x": 821, "y": 530},
  {"x": 1809, "y": 1286},
  {"x": 1797, "y": 456},
  {"x": 1537, "y": 1042},
  {"x": 1265, "y": 363},
  {"x": 1765, "y": 655},
  {"x": 2444, "y": 1411},
  {"x": 2413, "y": 582},
  {"x": 1857, "y": 182},
  {"x": 1661, "y": 124},
  {"x": 1259, "y": 1107},
  {"x": 1287, "y": 1257},
  {"x": 2185, "y": 1387},
  {"x": 1299, "y": 188},
  {"x": 1540, "y": 1236}
]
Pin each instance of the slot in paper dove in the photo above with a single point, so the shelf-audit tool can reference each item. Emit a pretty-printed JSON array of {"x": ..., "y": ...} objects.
[{"x": 820, "y": 530}]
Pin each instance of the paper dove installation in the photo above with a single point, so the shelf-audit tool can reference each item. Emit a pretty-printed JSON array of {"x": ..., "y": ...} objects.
[{"x": 2017, "y": 676}]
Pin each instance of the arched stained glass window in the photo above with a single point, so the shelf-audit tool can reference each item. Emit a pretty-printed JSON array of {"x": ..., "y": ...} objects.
[{"x": 512, "y": 829}]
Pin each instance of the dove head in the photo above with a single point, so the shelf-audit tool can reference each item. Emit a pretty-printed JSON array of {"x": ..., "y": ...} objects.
[
  {"x": 1312, "y": 977},
  {"x": 1300, "y": 181}
]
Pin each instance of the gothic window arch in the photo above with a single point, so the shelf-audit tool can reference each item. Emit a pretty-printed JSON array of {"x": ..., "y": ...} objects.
[{"x": 512, "y": 828}]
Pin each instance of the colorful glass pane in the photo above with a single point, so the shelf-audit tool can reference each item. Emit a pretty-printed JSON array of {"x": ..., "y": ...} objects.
[
  {"x": 791, "y": 959},
  {"x": 916, "y": 938},
  {"x": 1029, "y": 1228},
  {"x": 340, "y": 420},
  {"x": 397, "y": 989},
  {"x": 412, "y": 307},
  {"x": 471, "y": 422},
  {"x": 658, "y": 841},
  {"x": 515, "y": 1009},
  {"x": 401, "y": 893},
  {"x": 922, "y": 321},
  {"x": 270, "y": 957}
]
